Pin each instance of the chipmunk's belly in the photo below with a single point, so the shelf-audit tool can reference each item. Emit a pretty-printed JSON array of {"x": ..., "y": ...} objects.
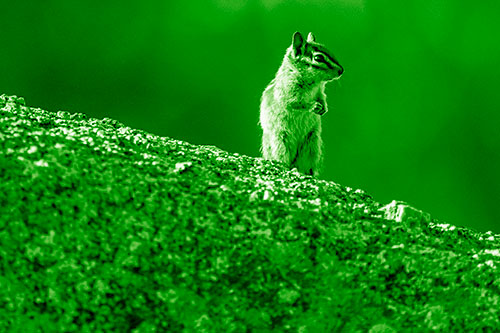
[{"x": 300, "y": 124}]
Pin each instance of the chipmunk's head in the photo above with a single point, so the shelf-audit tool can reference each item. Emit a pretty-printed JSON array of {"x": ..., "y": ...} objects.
[{"x": 313, "y": 60}]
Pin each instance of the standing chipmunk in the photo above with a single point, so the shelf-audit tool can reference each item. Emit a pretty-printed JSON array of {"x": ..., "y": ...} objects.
[{"x": 293, "y": 103}]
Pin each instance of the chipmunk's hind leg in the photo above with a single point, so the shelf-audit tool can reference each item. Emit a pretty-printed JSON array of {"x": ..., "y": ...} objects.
[
  {"x": 275, "y": 147},
  {"x": 309, "y": 156}
]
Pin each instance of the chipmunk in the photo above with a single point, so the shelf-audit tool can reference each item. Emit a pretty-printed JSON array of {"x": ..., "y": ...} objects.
[{"x": 293, "y": 103}]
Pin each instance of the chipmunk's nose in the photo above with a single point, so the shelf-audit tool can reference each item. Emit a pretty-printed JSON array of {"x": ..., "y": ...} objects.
[{"x": 341, "y": 70}]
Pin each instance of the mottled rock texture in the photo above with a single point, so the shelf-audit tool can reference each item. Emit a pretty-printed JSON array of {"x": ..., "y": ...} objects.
[{"x": 104, "y": 227}]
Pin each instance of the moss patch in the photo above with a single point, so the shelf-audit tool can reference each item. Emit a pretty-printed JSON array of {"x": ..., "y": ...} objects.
[{"x": 104, "y": 227}]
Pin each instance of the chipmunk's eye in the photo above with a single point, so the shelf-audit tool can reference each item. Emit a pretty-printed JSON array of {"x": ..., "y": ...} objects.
[{"x": 319, "y": 58}]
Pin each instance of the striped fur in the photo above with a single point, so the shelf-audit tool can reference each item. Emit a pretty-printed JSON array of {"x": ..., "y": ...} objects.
[{"x": 293, "y": 102}]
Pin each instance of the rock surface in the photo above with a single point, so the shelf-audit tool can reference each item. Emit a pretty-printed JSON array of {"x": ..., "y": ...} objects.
[{"x": 103, "y": 227}]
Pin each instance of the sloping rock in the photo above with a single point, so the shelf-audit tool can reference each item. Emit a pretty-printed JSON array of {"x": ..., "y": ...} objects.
[{"x": 103, "y": 227}]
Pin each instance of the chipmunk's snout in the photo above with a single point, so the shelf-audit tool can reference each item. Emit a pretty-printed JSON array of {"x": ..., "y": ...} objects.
[{"x": 337, "y": 72}]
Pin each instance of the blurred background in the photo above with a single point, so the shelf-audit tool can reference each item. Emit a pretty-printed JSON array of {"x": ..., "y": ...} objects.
[{"x": 415, "y": 116}]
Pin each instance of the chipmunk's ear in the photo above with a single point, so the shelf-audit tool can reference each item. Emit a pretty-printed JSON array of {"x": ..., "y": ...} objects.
[
  {"x": 311, "y": 38},
  {"x": 297, "y": 44}
]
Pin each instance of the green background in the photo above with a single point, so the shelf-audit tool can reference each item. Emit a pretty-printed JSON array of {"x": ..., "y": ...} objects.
[{"x": 415, "y": 116}]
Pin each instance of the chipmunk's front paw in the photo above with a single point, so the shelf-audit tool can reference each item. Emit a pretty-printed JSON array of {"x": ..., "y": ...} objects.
[{"x": 318, "y": 108}]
